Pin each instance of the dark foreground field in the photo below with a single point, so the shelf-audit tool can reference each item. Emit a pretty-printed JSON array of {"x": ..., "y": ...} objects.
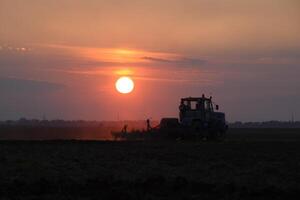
[{"x": 250, "y": 164}]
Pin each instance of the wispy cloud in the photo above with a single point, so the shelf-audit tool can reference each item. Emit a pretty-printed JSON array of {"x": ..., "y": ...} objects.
[
  {"x": 11, "y": 48},
  {"x": 15, "y": 84},
  {"x": 177, "y": 80},
  {"x": 178, "y": 61},
  {"x": 123, "y": 56}
]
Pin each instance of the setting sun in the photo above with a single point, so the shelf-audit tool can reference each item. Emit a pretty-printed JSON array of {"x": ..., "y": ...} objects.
[{"x": 124, "y": 85}]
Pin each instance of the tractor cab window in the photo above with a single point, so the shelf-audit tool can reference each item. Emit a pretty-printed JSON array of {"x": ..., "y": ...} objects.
[
  {"x": 208, "y": 106},
  {"x": 184, "y": 106},
  {"x": 193, "y": 105},
  {"x": 186, "y": 103}
]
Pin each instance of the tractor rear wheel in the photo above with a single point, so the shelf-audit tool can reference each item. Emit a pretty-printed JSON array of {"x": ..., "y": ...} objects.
[
  {"x": 197, "y": 130},
  {"x": 216, "y": 132}
]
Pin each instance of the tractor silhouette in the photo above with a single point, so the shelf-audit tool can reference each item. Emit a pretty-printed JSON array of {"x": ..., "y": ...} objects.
[{"x": 197, "y": 119}]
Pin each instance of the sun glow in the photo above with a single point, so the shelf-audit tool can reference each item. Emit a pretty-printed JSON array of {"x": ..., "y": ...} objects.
[{"x": 124, "y": 85}]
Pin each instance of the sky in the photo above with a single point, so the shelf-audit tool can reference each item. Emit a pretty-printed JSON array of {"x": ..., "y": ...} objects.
[{"x": 60, "y": 59}]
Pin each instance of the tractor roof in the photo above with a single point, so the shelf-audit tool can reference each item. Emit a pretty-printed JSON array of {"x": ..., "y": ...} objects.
[{"x": 195, "y": 98}]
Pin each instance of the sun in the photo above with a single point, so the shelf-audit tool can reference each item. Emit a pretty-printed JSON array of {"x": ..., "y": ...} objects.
[{"x": 124, "y": 85}]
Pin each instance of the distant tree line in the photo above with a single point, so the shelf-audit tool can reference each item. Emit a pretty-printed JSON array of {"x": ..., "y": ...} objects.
[
  {"x": 72, "y": 123},
  {"x": 265, "y": 124},
  {"x": 31, "y": 129},
  {"x": 134, "y": 123}
]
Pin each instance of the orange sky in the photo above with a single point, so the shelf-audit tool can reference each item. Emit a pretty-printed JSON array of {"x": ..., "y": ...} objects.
[{"x": 61, "y": 58}]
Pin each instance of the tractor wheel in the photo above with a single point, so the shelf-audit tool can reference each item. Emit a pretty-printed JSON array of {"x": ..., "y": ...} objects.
[
  {"x": 216, "y": 132},
  {"x": 216, "y": 135},
  {"x": 220, "y": 135},
  {"x": 197, "y": 129}
]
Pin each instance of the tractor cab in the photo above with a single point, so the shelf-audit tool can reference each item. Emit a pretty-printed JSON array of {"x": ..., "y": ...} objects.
[{"x": 193, "y": 109}]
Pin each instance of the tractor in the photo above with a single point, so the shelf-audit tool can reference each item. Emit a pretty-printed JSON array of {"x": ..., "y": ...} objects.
[{"x": 197, "y": 119}]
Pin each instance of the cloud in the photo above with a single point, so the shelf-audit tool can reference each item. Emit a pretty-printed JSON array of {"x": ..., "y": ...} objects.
[
  {"x": 176, "y": 80},
  {"x": 13, "y": 85},
  {"x": 179, "y": 61},
  {"x": 109, "y": 57},
  {"x": 11, "y": 48},
  {"x": 156, "y": 59}
]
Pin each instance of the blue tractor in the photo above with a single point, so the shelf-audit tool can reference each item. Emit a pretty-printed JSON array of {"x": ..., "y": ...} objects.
[
  {"x": 197, "y": 120},
  {"x": 198, "y": 117}
]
